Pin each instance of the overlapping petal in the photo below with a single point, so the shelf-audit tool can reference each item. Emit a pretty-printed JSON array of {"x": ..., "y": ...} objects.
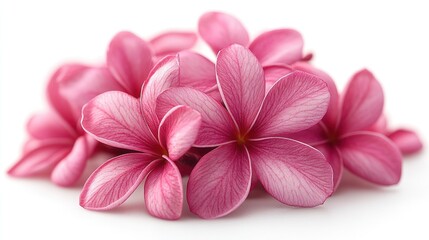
[
  {"x": 172, "y": 42},
  {"x": 334, "y": 158},
  {"x": 406, "y": 140},
  {"x": 196, "y": 71},
  {"x": 49, "y": 125}
]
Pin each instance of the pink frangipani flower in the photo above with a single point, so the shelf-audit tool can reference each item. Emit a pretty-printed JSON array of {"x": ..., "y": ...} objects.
[
  {"x": 344, "y": 137},
  {"x": 248, "y": 136}
]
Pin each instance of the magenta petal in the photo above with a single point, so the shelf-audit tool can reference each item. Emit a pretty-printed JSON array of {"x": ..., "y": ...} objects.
[
  {"x": 334, "y": 158},
  {"x": 163, "y": 191},
  {"x": 372, "y": 156},
  {"x": 296, "y": 102},
  {"x": 314, "y": 135},
  {"x": 282, "y": 46},
  {"x": 362, "y": 104},
  {"x": 129, "y": 59},
  {"x": 216, "y": 126},
  {"x": 178, "y": 130},
  {"x": 241, "y": 84},
  {"x": 406, "y": 140},
  {"x": 292, "y": 172},
  {"x": 115, "y": 119},
  {"x": 220, "y": 181},
  {"x": 49, "y": 125},
  {"x": 172, "y": 42},
  {"x": 115, "y": 180},
  {"x": 220, "y": 30},
  {"x": 69, "y": 170},
  {"x": 274, "y": 73}
]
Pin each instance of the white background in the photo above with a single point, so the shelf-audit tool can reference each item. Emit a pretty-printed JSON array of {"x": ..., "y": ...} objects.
[{"x": 390, "y": 38}]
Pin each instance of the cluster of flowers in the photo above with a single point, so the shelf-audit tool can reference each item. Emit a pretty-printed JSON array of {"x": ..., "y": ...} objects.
[{"x": 261, "y": 115}]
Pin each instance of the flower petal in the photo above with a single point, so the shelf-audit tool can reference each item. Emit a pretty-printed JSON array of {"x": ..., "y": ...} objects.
[
  {"x": 292, "y": 172},
  {"x": 273, "y": 73},
  {"x": 122, "y": 124},
  {"x": 314, "y": 135},
  {"x": 281, "y": 46},
  {"x": 172, "y": 42},
  {"x": 406, "y": 140},
  {"x": 178, "y": 130},
  {"x": 241, "y": 84},
  {"x": 295, "y": 103},
  {"x": 69, "y": 170},
  {"x": 115, "y": 180},
  {"x": 49, "y": 125},
  {"x": 216, "y": 125},
  {"x": 220, "y": 181},
  {"x": 333, "y": 156},
  {"x": 129, "y": 59},
  {"x": 163, "y": 191},
  {"x": 362, "y": 104},
  {"x": 372, "y": 157},
  {"x": 163, "y": 76},
  {"x": 220, "y": 30}
]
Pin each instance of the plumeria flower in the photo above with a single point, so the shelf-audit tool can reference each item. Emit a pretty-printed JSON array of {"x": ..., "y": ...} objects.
[
  {"x": 280, "y": 46},
  {"x": 57, "y": 142},
  {"x": 248, "y": 133},
  {"x": 159, "y": 143},
  {"x": 345, "y": 140}
]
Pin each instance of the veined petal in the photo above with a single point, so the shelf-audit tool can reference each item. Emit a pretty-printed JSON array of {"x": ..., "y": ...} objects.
[
  {"x": 406, "y": 140},
  {"x": 163, "y": 191},
  {"x": 220, "y": 181},
  {"x": 273, "y": 73},
  {"x": 292, "y": 172},
  {"x": 333, "y": 156},
  {"x": 115, "y": 180},
  {"x": 196, "y": 71},
  {"x": 49, "y": 125},
  {"x": 129, "y": 59},
  {"x": 281, "y": 46},
  {"x": 220, "y": 30},
  {"x": 178, "y": 130},
  {"x": 362, "y": 103},
  {"x": 163, "y": 76},
  {"x": 216, "y": 125},
  {"x": 313, "y": 136},
  {"x": 295, "y": 103},
  {"x": 172, "y": 42},
  {"x": 241, "y": 84},
  {"x": 372, "y": 157},
  {"x": 115, "y": 119}
]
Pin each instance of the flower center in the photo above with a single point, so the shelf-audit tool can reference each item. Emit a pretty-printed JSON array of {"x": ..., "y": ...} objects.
[{"x": 241, "y": 139}]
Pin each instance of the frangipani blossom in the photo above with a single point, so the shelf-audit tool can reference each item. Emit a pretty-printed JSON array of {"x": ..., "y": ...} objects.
[
  {"x": 248, "y": 136},
  {"x": 345, "y": 140},
  {"x": 280, "y": 46}
]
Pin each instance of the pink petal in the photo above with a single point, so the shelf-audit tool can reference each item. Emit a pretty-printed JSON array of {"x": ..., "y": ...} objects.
[
  {"x": 69, "y": 170},
  {"x": 163, "y": 76},
  {"x": 163, "y": 191},
  {"x": 172, "y": 42},
  {"x": 282, "y": 46},
  {"x": 49, "y": 125},
  {"x": 406, "y": 140},
  {"x": 241, "y": 84},
  {"x": 333, "y": 156},
  {"x": 362, "y": 104},
  {"x": 220, "y": 30},
  {"x": 115, "y": 180},
  {"x": 216, "y": 125},
  {"x": 295, "y": 103},
  {"x": 314, "y": 135},
  {"x": 129, "y": 59},
  {"x": 115, "y": 119},
  {"x": 292, "y": 172},
  {"x": 372, "y": 157},
  {"x": 220, "y": 181},
  {"x": 380, "y": 125},
  {"x": 273, "y": 73},
  {"x": 41, "y": 159}
]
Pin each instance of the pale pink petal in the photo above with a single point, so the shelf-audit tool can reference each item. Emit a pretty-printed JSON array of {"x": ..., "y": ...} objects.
[
  {"x": 115, "y": 119},
  {"x": 295, "y": 103},
  {"x": 372, "y": 156},
  {"x": 115, "y": 180},
  {"x": 333, "y": 156},
  {"x": 380, "y": 125},
  {"x": 220, "y": 30},
  {"x": 71, "y": 167},
  {"x": 220, "y": 181},
  {"x": 163, "y": 76},
  {"x": 273, "y": 73},
  {"x": 281, "y": 46},
  {"x": 216, "y": 125},
  {"x": 48, "y": 125},
  {"x": 172, "y": 42},
  {"x": 406, "y": 140},
  {"x": 241, "y": 84},
  {"x": 129, "y": 59},
  {"x": 163, "y": 191},
  {"x": 41, "y": 159},
  {"x": 292, "y": 172},
  {"x": 196, "y": 71},
  {"x": 362, "y": 103}
]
